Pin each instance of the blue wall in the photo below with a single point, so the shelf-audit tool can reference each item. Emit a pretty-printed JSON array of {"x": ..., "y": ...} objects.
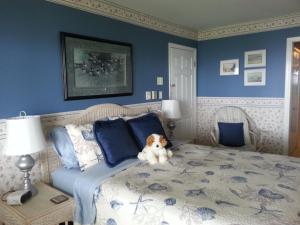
[
  {"x": 30, "y": 60},
  {"x": 211, "y": 84}
]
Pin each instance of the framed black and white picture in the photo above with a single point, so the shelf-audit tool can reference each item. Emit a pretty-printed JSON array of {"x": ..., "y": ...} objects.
[
  {"x": 255, "y": 58},
  {"x": 229, "y": 67},
  {"x": 255, "y": 77},
  {"x": 95, "y": 68}
]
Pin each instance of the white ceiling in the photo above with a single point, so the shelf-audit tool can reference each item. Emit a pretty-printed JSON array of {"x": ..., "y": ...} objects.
[{"x": 205, "y": 14}]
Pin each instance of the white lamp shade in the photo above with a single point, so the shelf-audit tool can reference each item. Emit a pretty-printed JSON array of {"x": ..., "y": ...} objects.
[
  {"x": 171, "y": 109},
  {"x": 24, "y": 135}
]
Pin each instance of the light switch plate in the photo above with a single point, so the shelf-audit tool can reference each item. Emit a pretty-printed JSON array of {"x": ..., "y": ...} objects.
[
  {"x": 160, "y": 81},
  {"x": 160, "y": 95},
  {"x": 148, "y": 95},
  {"x": 154, "y": 95}
]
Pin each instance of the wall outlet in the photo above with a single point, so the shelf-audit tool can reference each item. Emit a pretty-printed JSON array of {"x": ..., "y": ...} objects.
[
  {"x": 148, "y": 95},
  {"x": 160, "y": 95},
  {"x": 154, "y": 95},
  {"x": 159, "y": 80}
]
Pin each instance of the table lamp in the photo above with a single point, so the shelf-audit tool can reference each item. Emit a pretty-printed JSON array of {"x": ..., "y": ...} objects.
[
  {"x": 24, "y": 137},
  {"x": 171, "y": 111}
]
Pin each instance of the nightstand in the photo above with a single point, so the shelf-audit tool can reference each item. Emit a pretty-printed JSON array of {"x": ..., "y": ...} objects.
[
  {"x": 39, "y": 210},
  {"x": 177, "y": 142}
]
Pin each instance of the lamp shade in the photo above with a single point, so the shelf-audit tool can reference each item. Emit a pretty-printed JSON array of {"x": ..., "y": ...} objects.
[
  {"x": 171, "y": 109},
  {"x": 24, "y": 135}
]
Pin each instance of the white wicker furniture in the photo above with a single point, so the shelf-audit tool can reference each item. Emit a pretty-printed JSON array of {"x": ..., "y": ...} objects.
[
  {"x": 231, "y": 114},
  {"x": 39, "y": 210}
]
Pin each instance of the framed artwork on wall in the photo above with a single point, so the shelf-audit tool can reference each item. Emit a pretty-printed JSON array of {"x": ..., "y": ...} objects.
[
  {"x": 255, "y": 58},
  {"x": 229, "y": 67},
  {"x": 95, "y": 68},
  {"x": 255, "y": 77}
]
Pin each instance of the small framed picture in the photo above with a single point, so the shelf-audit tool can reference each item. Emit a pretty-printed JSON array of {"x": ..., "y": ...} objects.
[
  {"x": 255, "y": 58},
  {"x": 255, "y": 77},
  {"x": 229, "y": 67}
]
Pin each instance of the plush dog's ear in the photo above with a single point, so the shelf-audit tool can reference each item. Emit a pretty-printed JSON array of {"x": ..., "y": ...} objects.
[
  {"x": 150, "y": 140},
  {"x": 162, "y": 140}
]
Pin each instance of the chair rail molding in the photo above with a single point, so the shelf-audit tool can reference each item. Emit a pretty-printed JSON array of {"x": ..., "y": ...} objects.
[
  {"x": 125, "y": 14},
  {"x": 275, "y": 23}
]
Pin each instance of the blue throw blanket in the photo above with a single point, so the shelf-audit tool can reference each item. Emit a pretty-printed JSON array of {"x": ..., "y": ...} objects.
[{"x": 87, "y": 185}]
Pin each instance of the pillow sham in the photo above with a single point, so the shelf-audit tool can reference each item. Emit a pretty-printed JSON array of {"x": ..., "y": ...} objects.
[
  {"x": 64, "y": 148},
  {"x": 143, "y": 126},
  {"x": 86, "y": 148},
  {"x": 115, "y": 141},
  {"x": 231, "y": 134}
]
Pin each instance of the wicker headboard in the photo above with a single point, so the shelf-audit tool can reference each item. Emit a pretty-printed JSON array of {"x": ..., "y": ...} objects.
[{"x": 49, "y": 159}]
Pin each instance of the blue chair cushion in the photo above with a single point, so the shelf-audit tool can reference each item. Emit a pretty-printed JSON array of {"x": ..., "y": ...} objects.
[
  {"x": 142, "y": 127},
  {"x": 64, "y": 147},
  {"x": 231, "y": 134},
  {"x": 115, "y": 141}
]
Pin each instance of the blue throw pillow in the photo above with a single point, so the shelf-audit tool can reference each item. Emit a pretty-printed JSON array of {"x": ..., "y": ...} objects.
[
  {"x": 64, "y": 147},
  {"x": 231, "y": 134},
  {"x": 144, "y": 126},
  {"x": 115, "y": 141}
]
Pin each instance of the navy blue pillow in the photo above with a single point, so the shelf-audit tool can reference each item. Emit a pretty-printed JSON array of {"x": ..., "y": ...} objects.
[
  {"x": 115, "y": 141},
  {"x": 144, "y": 126},
  {"x": 231, "y": 134}
]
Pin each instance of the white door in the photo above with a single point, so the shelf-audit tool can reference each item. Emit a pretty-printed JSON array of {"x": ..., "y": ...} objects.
[{"x": 182, "y": 81}]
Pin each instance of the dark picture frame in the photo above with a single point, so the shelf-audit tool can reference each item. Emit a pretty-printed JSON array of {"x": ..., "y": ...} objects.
[{"x": 95, "y": 68}]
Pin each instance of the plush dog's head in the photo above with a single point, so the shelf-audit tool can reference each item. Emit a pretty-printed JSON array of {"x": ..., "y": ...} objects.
[{"x": 156, "y": 141}]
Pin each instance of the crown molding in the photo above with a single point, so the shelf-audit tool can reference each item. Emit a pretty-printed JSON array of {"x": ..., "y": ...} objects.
[
  {"x": 125, "y": 14},
  {"x": 276, "y": 23},
  {"x": 115, "y": 11}
]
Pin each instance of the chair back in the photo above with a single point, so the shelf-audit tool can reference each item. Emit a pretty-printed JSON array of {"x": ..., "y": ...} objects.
[{"x": 231, "y": 114}]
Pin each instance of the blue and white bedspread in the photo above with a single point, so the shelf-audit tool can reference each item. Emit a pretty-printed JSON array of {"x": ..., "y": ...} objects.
[{"x": 201, "y": 185}]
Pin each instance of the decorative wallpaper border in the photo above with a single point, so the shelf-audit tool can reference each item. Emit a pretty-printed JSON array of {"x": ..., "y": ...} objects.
[
  {"x": 276, "y": 23},
  {"x": 122, "y": 13},
  {"x": 267, "y": 113},
  {"x": 256, "y": 102},
  {"x": 116, "y": 11}
]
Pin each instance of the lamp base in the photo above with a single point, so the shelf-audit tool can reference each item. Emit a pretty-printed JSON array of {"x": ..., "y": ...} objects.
[
  {"x": 171, "y": 126},
  {"x": 25, "y": 164}
]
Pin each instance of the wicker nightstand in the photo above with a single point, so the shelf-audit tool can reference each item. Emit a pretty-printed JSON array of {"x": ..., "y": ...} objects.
[{"x": 39, "y": 210}]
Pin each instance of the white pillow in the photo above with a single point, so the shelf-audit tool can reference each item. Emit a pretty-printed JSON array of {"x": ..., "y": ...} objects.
[{"x": 87, "y": 150}]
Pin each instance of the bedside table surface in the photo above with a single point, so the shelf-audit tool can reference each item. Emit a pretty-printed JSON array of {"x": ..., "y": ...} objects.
[{"x": 39, "y": 205}]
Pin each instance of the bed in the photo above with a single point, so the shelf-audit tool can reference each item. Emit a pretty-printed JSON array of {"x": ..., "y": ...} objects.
[{"x": 199, "y": 185}]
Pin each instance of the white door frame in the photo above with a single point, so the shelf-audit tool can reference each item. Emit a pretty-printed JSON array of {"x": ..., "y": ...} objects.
[
  {"x": 194, "y": 50},
  {"x": 287, "y": 94}
]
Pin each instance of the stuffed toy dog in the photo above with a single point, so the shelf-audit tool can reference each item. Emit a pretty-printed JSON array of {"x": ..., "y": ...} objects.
[{"x": 154, "y": 151}]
